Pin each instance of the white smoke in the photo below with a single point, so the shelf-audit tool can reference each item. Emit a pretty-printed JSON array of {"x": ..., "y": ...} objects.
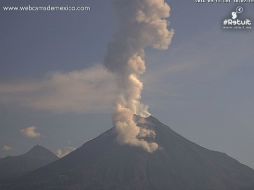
[
  {"x": 62, "y": 152},
  {"x": 142, "y": 24},
  {"x": 6, "y": 148}
]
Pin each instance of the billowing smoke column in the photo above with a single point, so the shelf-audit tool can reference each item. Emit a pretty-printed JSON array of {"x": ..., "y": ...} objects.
[{"x": 142, "y": 24}]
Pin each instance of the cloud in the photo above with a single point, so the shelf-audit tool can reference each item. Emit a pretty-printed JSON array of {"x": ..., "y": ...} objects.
[
  {"x": 89, "y": 90},
  {"x": 30, "y": 132},
  {"x": 61, "y": 152},
  {"x": 6, "y": 148}
]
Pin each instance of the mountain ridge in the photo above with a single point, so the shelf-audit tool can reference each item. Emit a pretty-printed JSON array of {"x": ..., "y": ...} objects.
[
  {"x": 103, "y": 164},
  {"x": 15, "y": 166}
]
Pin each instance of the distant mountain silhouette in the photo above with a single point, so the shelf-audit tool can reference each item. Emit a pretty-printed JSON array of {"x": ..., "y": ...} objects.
[
  {"x": 103, "y": 164},
  {"x": 15, "y": 166}
]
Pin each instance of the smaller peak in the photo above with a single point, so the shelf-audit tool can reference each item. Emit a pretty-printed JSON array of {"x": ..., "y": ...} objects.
[
  {"x": 39, "y": 151},
  {"x": 38, "y": 148}
]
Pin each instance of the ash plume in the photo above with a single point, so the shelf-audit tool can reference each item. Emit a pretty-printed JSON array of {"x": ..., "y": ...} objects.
[{"x": 141, "y": 24}]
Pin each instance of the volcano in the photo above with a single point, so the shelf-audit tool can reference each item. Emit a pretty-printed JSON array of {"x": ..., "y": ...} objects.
[
  {"x": 15, "y": 166},
  {"x": 104, "y": 164}
]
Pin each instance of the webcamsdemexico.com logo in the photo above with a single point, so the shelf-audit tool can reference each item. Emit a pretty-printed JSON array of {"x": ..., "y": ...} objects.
[{"x": 237, "y": 20}]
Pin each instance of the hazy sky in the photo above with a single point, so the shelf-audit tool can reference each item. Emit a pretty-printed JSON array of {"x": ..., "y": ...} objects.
[{"x": 54, "y": 91}]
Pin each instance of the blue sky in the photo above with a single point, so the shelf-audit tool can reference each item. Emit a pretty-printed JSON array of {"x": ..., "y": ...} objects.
[{"x": 202, "y": 86}]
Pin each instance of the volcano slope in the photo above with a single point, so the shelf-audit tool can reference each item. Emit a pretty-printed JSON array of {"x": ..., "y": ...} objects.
[{"x": 104, "y": 164}]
